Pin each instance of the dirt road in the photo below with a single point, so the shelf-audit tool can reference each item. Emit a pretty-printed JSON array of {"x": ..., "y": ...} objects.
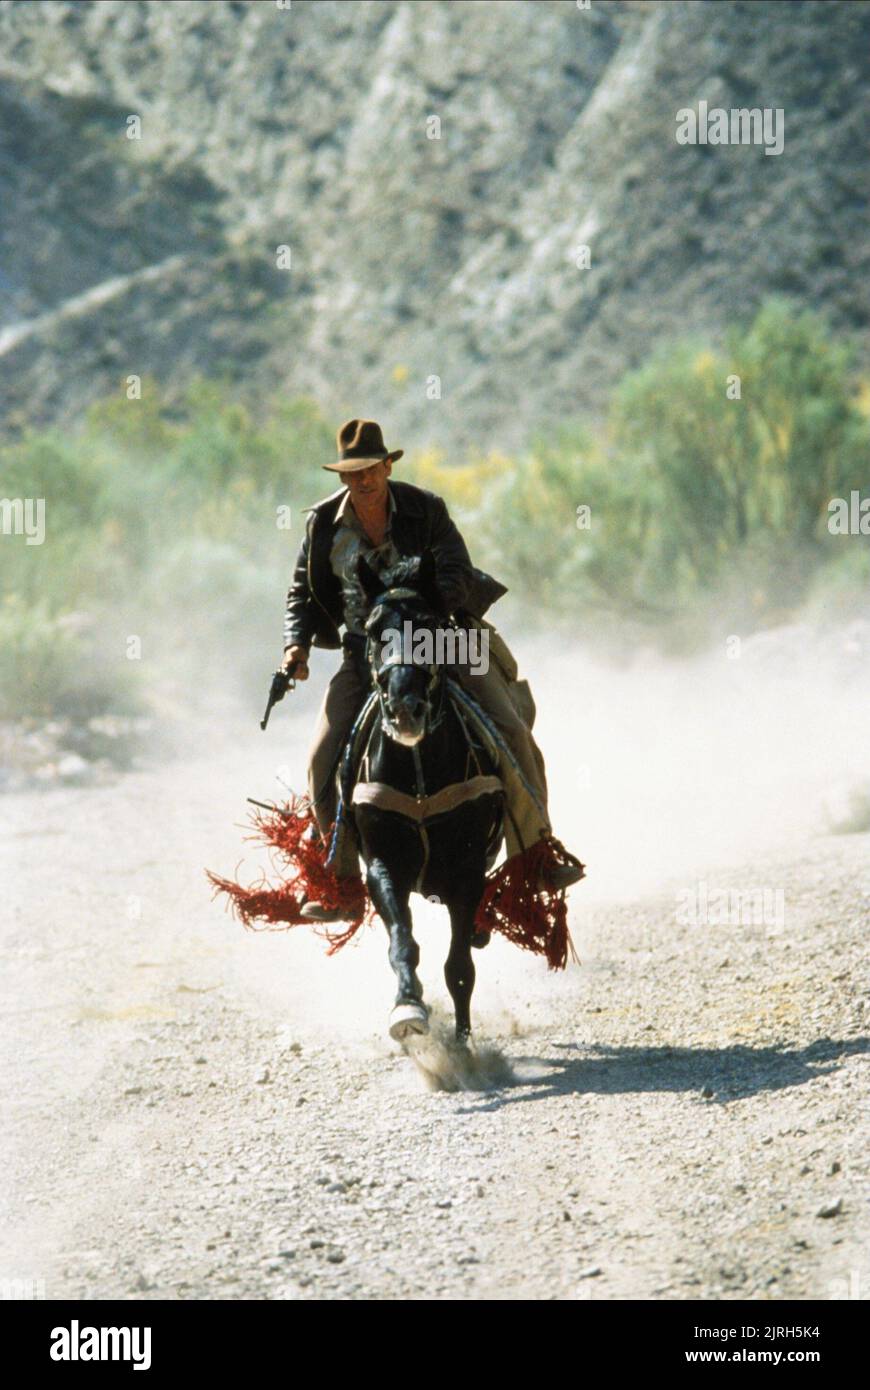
[{"x": 198, "y": 1112}]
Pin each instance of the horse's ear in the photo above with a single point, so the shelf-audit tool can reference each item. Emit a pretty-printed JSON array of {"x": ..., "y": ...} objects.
[{"x": 371, "y": 582}]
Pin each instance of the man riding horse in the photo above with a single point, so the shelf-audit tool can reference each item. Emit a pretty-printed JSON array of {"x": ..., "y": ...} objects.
[{"x": 379, "y": 522}]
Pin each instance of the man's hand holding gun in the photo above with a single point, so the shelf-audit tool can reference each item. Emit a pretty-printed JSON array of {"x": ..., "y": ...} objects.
[
  {"x": 293, "y": 668},
  {"x": 296, "y": 657}
]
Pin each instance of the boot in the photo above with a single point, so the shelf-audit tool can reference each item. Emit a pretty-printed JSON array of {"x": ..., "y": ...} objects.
[
  {"x": 556, "y": 877},
  {"x": 316, "y": 912},
  {"x": 562, "y": 876}
]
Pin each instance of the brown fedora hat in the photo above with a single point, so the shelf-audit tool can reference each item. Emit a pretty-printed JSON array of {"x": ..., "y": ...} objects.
[{"x": 360, "y": 444}]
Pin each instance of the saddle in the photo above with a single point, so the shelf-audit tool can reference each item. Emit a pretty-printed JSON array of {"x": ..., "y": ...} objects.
[{"x": 485, "y": 749}]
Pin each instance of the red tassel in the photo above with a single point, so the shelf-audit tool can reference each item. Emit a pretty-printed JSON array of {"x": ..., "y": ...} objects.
[
  {"x": 306, "y": 877},
  {"x": 531, "y": 917}
]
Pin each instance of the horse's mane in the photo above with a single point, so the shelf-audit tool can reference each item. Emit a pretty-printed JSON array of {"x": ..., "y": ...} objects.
[{"x": 414, "y": 572}]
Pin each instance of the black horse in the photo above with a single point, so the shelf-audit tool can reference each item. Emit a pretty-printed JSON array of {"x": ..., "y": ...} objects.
[{"x": 411, "y": 840}]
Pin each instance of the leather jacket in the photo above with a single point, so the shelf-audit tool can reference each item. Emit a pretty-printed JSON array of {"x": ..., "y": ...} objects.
[{"x": 314, "y": 611}]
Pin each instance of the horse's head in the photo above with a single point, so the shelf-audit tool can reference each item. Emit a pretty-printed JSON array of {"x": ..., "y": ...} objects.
[{"x": 401, "y": 646}]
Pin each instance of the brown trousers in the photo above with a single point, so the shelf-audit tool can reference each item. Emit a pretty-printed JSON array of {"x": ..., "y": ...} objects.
[{"x": 499, "y": 694}]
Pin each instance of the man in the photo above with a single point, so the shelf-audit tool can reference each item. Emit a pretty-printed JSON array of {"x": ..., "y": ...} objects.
[{"x": 384, "y": 522}]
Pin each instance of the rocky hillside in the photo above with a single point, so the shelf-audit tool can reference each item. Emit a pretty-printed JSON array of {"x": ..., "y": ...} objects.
[{"x": 412, "y": 257}]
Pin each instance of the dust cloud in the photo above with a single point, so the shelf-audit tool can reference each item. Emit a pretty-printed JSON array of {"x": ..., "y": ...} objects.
[
  {"x": 661, "y": 767},
  {"x": 660, "y": 770}
]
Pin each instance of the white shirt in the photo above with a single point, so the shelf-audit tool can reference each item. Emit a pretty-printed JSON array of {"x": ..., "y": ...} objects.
[{"x": 350, "y": 542}]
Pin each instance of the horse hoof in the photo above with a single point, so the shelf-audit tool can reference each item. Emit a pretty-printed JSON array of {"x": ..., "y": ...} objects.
[
  {"x": 409, "y": 1019},
  {"x": 481, "y": 939}
]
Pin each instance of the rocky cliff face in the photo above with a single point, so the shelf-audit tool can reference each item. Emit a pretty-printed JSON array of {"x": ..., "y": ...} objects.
[{"x": 413, "y": 257}]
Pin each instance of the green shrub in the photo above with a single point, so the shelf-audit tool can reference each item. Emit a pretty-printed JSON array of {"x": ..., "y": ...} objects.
[
  {"x": 161, "y": 519},
  {"x": 53, "y": 664},
  {"x": 699, "y": 503},
  {"x": 161, "y": 522}
]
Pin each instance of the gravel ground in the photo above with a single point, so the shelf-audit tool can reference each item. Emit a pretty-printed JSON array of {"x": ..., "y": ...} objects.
[{"x": 200, "y": 1112}]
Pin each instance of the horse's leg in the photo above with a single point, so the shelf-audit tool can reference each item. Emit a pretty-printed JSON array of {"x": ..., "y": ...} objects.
[
  {"x": 459, "y": 967},
  {"x": 410, "y": 1014}
]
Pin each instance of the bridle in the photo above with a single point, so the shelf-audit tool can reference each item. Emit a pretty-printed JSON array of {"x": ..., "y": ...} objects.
[{"x": 390, "y": 596}]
